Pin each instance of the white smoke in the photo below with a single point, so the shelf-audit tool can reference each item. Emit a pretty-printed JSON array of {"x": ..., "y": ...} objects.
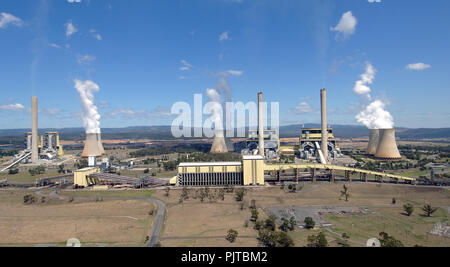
[
  {"x": 91, "y": 117},
  {"x": 374, "y": 116},
  {"x": 361, "y": 87},
  {"x": 216, "y": 110}
]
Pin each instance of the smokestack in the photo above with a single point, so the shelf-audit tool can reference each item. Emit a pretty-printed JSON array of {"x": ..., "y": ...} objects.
[
  {"x": 387, "y": 146},
  {"x": 261, "y": 124},
  {"x": 373, "y": 142},
  {"x": 34, "y": 130},
  {"x": 323, "y": 101},
  {"x": 91, "y": 146}
]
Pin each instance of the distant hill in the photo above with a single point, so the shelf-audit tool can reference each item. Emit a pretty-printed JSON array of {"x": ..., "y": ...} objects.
[{"x": 16, "y": 136}]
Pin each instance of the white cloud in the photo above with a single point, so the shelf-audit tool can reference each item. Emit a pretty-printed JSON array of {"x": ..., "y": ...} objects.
[
  {"x": 186, "y": 65},
  {"x": 224, "y": 36},
  {"x": 418, "y": 66},
  {"x": 54, "y": 45},
  {"x": 86, "y": 59},
  {"x": 74, "y": 1},
  {"x": 6, "y": 19},
  {"x": 374, "y": 1},
  {"x": 236, "y": 72},
  {"x": 70, "y": 29},
  {"x": 13, "y": 107},
  {"x": 96, "y": 35},
  {"x": 303, "y": 108},
  {"x": 362, "y": 86},
  {"x": 346, "y": 26}
]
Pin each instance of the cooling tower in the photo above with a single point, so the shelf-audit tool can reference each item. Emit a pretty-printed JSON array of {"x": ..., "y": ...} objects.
[
  {"x": 219, "y": 145},
  {"x": 373, "y": 142},
  {"x": 387, "y": 146},
  {"x": 91, "y": 146},
  {"x": 100, "y": 144},
  {"x": 261, "y": 124}
]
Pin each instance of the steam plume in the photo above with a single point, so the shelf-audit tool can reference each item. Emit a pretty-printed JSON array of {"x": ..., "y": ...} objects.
[
  {"x": 374, "y": 116},
  {"x": 216, "y": 110},
  {"x": 361, "y": 87},
  {"x": 91, "y": 117}
]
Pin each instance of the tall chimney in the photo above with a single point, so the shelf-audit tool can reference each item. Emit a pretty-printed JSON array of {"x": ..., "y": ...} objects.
[
  {"x": 387, "y": 147},
  {"x": 323, "y": 101},
  {"x": 261, "y": 124},
  {"x": 34, "y": 130},
  {"x": 373, "y": 142}
]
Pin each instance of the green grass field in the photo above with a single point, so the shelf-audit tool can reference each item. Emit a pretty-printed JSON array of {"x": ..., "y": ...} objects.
[
  {"x": 410, "y": 231},
  {"x": 25, "y": 177}
]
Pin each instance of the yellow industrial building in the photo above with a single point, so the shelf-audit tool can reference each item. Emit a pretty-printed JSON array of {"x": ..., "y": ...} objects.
[
  {"x": 248, "y": 172},
  {"x": 81, "y": 177}
]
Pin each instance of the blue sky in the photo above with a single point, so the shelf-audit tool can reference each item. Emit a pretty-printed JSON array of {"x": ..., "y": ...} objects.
[{"x": 147, "y": 55}]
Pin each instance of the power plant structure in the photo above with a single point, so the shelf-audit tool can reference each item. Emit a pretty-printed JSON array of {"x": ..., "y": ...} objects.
[
  {"x": 374, "y": 136},
  {"x": 271, "y": 144},
  {"x": 319, "y": 143},
  {"x": 387, "y": 146},
  {"x": 219, "y": 145},
  {"x": 93, "y": 148},
  {"x": 311, "y": 144},
  {"x": 382, "y": 144}
]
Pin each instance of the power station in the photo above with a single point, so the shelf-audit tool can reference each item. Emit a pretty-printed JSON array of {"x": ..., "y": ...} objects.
[{"x": 382, "y": 144}]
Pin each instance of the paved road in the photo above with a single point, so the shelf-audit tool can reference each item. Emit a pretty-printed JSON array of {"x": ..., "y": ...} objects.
[{"x": 157, "y": 224}]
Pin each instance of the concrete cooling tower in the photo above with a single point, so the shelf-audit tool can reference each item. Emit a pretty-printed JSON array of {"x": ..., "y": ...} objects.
[
  {"x": 92, "y": 146},
  {"x": 373, "y": 142},
  {"x": 100, "y": 144},
  {"x": 219, "y": 145},
  {"x": 387, "y": 146}
]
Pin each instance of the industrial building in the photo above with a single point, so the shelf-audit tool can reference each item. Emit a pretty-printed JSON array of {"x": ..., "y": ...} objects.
[
  {"x": 253, "y": 170},
  {"x": 382, "y": 144},
  {"x": 311, "y": 143},
  {"x": 271, "y": 143},
  {"x": 248, "y": 172}
]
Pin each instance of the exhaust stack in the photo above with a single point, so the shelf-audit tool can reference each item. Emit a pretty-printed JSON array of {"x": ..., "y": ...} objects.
[
  {"x": 373, "y": 142},
  {"x": 34, "y": 130},
  {"x": 261, "y": 124},
  {"x": 323, "y": 101},
  {"x": 387, "y": 146}
]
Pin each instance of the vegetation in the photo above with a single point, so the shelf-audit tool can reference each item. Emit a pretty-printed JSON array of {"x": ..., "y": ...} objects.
[
  {"x": 36, "y": 171},
  {"x": 344, "y": 193},
  {"x": 29, "y": 199},
  {"x": 429, "y": 210},
  {"x": 408, "y": 208},
  {"x": 269, "y": 224},
  {"x": 240, "y": 193},
  {"x": 309, "y": 223},
  {"x": 13, "y": 171},
  {"x": 232, "y": 235},
  {"x": 389, "y": 241},
  {"x": 318, "y": 241},
  {"x": 275, "y": 239}
]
